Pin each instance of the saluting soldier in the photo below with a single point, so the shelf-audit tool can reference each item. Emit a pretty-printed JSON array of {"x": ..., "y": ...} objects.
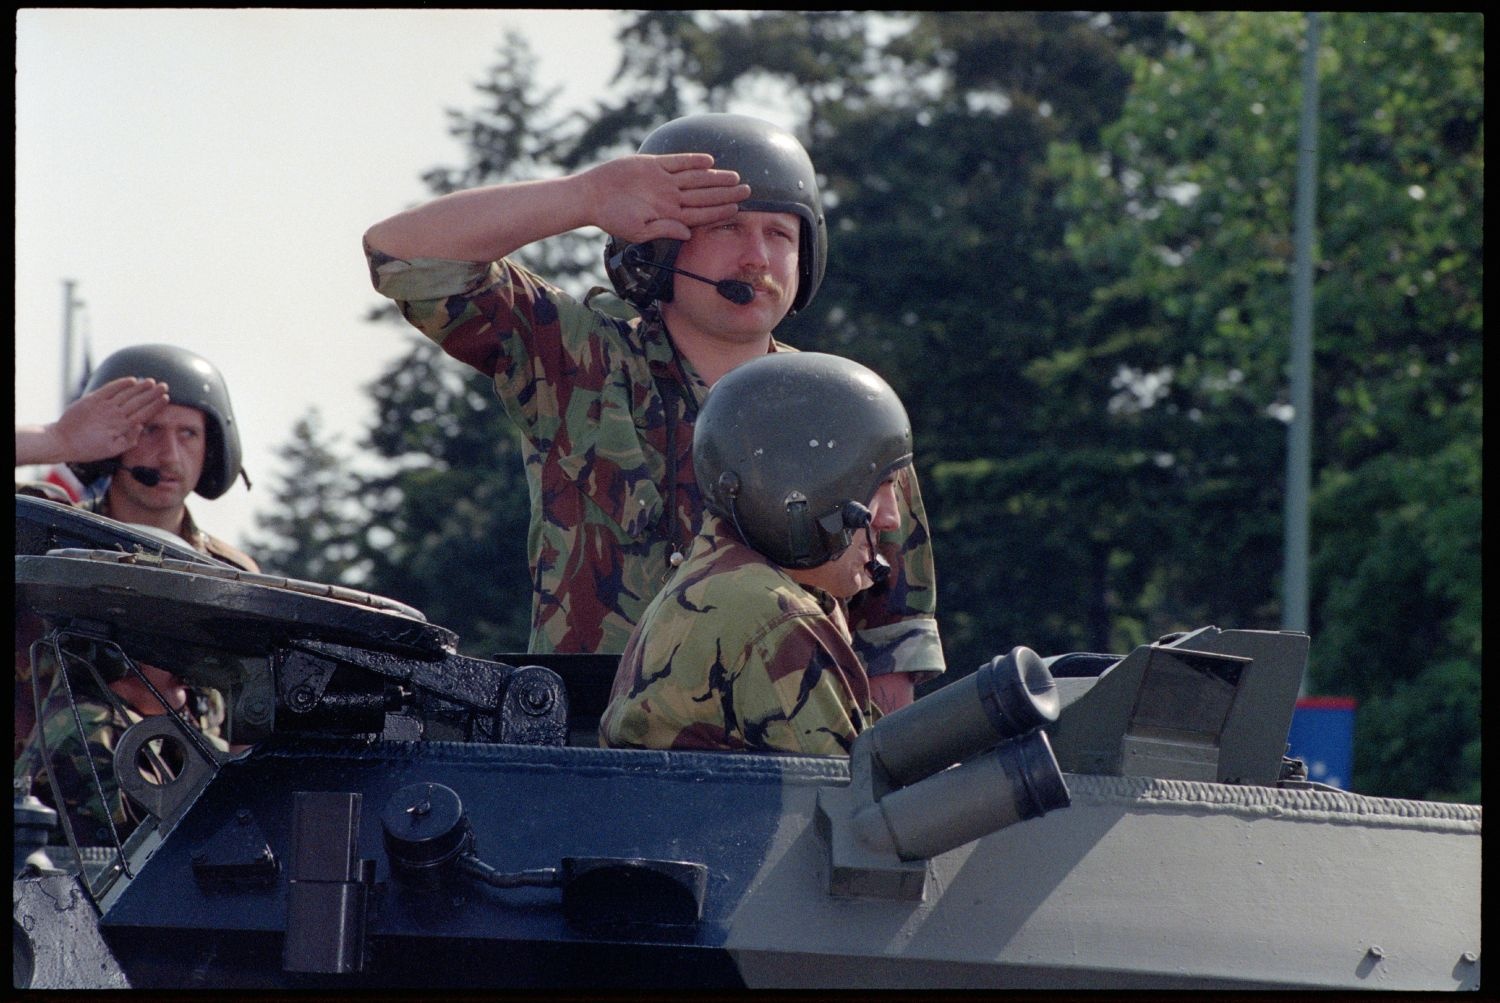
[
  {"x": 166, "y": 451},
  {"x": 716, "y": 233},
  {"x": 192, "y": 445}
]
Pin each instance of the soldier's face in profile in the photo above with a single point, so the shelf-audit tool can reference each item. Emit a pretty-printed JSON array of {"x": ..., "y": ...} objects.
[
  {"x": 140, "y": 697},
  {"x": 847, "y": 575}
]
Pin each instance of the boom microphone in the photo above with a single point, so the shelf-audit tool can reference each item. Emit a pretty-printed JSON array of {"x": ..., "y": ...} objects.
[
  {"x": 877, "y": 567},
  {"x": 733, "y": 290},
  {"x": 856, "y": 516},
  {"x": 149, "y": 476}
]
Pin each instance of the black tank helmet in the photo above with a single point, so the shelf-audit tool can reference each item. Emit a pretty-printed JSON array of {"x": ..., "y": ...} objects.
[
  {"x": 192, "y": 381},
  {"x": 791, "y": 447},
  {"x": 781, "y": 178}
]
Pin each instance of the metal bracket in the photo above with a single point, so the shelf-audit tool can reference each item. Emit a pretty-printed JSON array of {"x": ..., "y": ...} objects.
[
  {"x": 328, "y": 885},
  {"x": 165, "y": 800},
  {"x": 238, "y": 855},
  {"x": 856, "y": 869},
  {"x": 301, "y": 678}
]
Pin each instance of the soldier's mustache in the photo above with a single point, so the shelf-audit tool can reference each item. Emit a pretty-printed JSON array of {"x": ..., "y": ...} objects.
[
  {"x": 762, "y": 282},
  {"x": 152, "y": 476}
]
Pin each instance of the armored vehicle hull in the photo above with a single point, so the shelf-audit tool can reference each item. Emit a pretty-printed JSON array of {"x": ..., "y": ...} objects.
[
  {"x": 411, "y": 818},
  {"x": 1140, "y": 883}
]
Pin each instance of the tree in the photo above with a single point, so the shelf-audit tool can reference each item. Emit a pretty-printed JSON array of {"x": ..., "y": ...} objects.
[
  {"x": 449, "y": 512},
  {"x": 309, "y": 531},
  {"x": 449, "y": 507},
  {"x": 1185, "y": 219},
  {"x": 1397, "y": 582}
]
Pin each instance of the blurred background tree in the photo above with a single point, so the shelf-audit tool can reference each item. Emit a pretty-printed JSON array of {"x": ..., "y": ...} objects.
[
  {"x": 311, "y": 528},
  {"x": 1185, "y": 218},
  {"x": 1065, "y": 238}
]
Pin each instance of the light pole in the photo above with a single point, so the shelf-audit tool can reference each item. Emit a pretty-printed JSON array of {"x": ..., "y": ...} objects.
[{"x": 1294, "y": 608}]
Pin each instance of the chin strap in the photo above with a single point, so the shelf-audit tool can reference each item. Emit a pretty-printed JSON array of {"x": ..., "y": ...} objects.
[{"x": 855, "y": 516}]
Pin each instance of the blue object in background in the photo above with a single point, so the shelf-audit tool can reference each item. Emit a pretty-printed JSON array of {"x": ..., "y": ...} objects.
[{"x": 1322, "y": 736}]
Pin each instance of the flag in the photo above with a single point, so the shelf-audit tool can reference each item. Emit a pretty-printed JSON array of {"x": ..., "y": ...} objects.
[
  {"x": 62, "y": 477},
  {"x": 76, "y": 392}
]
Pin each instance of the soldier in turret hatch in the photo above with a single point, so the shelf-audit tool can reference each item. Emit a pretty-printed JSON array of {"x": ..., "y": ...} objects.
[
  {"x": 748, "y": 648},
  {"x": 717, "y": 234},
  {"x": 189, "y": 444},
  {"x": 192, "y": 445}
]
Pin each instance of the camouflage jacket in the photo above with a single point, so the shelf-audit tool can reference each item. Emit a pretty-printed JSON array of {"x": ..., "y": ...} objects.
[
  {"x": 735, "y": 655},
  {"x": 196, "y": 538},
  {"x": 69, "y": 757},
  {"x": 597, "y": 399}
]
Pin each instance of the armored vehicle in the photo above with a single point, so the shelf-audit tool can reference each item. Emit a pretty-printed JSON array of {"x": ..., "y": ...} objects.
[{"x": 410, "y": 817}]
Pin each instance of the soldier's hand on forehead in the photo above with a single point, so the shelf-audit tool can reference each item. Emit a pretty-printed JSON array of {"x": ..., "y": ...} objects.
[
  {"x": 648, "y": 197},
  {"x": 109, "y": 420}
]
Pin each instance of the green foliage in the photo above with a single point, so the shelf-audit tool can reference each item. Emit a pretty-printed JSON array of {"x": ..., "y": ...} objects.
[
  {"x": 513, "y": 135},
  {"x": 449, "y": 515}
]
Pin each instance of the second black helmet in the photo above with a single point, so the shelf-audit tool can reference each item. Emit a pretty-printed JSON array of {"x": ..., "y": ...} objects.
[{"x": 791, "y": 447}]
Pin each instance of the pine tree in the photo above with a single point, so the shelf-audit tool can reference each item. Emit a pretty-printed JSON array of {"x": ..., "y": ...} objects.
[{"x": 309, "y": 530}]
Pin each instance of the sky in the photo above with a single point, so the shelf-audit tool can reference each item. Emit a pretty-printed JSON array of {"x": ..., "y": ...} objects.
[{"x": 204, "y": 177}]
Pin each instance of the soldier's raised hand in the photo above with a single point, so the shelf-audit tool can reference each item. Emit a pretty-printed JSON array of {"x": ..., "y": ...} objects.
[
  {"x": 102, "y": 423},
  {"x": 645, "y": 197}
]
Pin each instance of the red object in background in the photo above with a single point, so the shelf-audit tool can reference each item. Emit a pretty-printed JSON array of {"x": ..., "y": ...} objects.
[
  {"x": 1326, "y": 703},
  {"x": 64, "y": 478}
]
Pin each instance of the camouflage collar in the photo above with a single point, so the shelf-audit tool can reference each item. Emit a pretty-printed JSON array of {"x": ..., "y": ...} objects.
[
  {"x": 187, "y": 529},
  {"x": 718, "y": 533},
  {"x": 666, "y": 361},
  {"x": 663, "y": 355}
]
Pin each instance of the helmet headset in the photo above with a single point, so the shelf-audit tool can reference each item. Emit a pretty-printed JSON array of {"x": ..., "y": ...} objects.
[
  {"x": 781, "y": 178},
  {"x": 791, "y": 448},
  {"x": 192, "y": 381}
]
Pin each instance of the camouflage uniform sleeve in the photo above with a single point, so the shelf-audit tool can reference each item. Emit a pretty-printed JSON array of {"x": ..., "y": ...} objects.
[
  {"x": 577, "y": 384},
  {"x": 69, "y": 765},
  {"x": 894, "y": 624},
  {"x": 477, "y": 312},
  {"x": 503, "y": 321}
]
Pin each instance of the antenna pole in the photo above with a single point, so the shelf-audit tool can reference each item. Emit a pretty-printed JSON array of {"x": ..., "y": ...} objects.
[{"x": 69, "y": 305}]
